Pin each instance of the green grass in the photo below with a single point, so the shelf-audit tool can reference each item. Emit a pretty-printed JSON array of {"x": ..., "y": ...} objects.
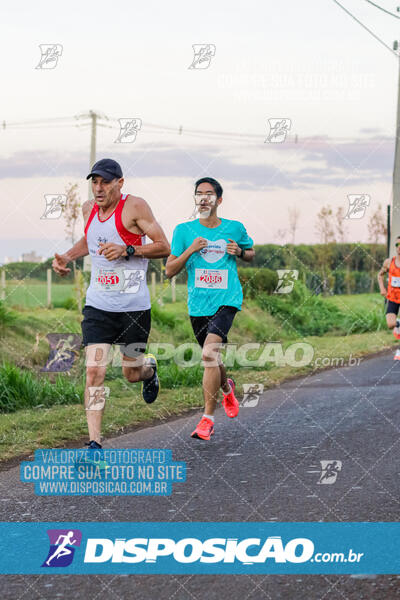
[
  {"x": 358, "y": 302},
  {"x": 23, "y": 389},
  {"x": 27, "y": 294},
  {"x": 25, "y": 343},
  {"x": 31, "y": 293},
  {"x": 25, "y": 430},
  {"x": 355, "y": 325},
  {"x": 7, "y": 317}
]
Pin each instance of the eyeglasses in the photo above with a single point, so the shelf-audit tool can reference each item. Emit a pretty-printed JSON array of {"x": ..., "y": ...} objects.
[{"x": 397, "y": 244}]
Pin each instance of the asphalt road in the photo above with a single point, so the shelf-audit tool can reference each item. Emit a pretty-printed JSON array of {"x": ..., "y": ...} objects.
[{"x": 262, "y": 466}]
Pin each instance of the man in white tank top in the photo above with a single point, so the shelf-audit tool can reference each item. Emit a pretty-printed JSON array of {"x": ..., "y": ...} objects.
[{"x": 117, "y": 309}]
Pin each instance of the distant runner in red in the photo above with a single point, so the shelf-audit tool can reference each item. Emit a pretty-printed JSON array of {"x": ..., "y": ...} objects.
[
  {"x": 392, "y": 293},
  {"x": 117, "y": 309}
]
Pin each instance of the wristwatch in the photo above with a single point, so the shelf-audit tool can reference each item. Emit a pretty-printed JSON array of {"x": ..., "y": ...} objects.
[
  {"x": 130, "y": 251},
  {"x": 242, "y": 252}
]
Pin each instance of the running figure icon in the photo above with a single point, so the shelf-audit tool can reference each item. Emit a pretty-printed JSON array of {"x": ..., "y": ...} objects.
[{"x": 62, "y": 549}]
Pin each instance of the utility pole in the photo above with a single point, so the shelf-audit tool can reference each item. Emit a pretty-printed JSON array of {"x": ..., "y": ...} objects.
[
  {"x": 94, "y": 118},
  {"x": 95, "y": 121},
  {"x": 395, "y": 229}
]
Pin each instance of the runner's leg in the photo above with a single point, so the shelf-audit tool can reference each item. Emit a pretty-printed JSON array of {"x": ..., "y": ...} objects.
[
  {"x": 391, "y": 320},
  {"x": 226, "y": 388},
  {"x": 136, "y": 329},
  {"x": 96, "y": 366},
  {"x": 220, "y": 325},
  {"x": 134, "y": 368},
  {"x": 212, "y": 372}
]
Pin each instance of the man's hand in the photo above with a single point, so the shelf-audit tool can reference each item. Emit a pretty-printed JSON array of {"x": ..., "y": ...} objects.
[
  {"x": 59, "y": 265},
  {"x": 112, "y": 251},
  {"x": 383, "y": 292},
  {"x": 198, "y": 244},
  {"x": 233, "y": 248}
]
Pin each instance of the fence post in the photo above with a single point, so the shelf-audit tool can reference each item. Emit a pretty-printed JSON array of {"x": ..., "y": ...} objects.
[
  {"x": 3, "y": 284},
  {"x": 48, "y": 288},
  {"x": 153, "y": 284},
  {"x": 173, "y": 288},
  {"x": 79, "y": 284},
  {"x": 161, "y": 271}
]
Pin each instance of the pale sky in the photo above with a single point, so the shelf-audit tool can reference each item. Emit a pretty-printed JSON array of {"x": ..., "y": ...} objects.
[{"x": 308, "y": 62}]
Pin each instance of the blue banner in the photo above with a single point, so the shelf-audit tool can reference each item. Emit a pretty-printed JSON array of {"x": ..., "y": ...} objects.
[{"x": 194, "y": 547}]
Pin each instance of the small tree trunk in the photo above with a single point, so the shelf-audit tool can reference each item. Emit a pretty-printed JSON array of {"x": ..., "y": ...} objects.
[{"x": 79, "y": 282}]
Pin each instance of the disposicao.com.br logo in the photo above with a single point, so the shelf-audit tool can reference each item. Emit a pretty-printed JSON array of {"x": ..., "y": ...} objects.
[
  {"x": 158, "y": 547},
  {"x": 247, "y": 551}
]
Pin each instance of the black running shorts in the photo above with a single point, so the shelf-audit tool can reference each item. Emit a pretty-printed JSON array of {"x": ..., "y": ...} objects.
[
  {"x": 392, "y": 307},
  {"x": 128, "y": 329},
  {"x": 219, "y": 323}
]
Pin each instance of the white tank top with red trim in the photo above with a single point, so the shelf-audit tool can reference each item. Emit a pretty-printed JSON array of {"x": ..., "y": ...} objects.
[{"x": 118, "y": 285}]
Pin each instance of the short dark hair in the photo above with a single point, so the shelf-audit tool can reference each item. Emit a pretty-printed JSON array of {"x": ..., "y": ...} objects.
[{"x": 217, "y": 186}]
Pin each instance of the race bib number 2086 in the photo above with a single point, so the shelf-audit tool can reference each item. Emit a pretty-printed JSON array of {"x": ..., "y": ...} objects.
[{"x": 211, "y": 278}]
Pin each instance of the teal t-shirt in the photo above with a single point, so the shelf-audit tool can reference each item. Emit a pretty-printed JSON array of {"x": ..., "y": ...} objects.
[{"x": 212, "y": 273}]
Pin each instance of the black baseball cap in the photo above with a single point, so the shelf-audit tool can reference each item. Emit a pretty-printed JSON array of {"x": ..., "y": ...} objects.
[{"x": 107, "y": 168}]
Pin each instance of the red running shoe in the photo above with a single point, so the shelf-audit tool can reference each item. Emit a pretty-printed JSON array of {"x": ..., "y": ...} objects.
[
  {"x": 204, "y": 429},
  {"x": 396, "y": 333},
  {"x": 229, "y": 402}
]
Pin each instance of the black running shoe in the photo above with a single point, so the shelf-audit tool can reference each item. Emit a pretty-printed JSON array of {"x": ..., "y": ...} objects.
[
  {"x": 94, "y": 460},
  {"x": 151, "y": 386},
  {"x": 92, "y": 445}
]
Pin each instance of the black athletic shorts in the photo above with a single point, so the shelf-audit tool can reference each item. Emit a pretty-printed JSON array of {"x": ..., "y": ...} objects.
[
  {"x": 219, "y": 323},
  {"x": 392, "y": 307},
  {"x": 129, "y": 329}
]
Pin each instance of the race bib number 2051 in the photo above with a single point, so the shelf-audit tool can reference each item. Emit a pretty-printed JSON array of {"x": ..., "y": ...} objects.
[
  {"x": 109, "y": 279},
  {"x": 211, "y": 278},
  {"x": 125, "y": 281}
]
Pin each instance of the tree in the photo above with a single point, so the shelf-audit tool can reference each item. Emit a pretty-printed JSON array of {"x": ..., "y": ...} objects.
[
  {"x": 377, "y": 232},
  {"x": 280, "y": 236},
  {"x": 341, "y": 231},
  {"x": 71, "y": 215},
  {"x": 324, "y": 225},
  {"x": 377, "y": 226},
  {"x": 324, "y": 228},
  {"x": 341, "y": 228},
  {"x": 294, "y": 215},
  {"x": 71, "y": 210}
]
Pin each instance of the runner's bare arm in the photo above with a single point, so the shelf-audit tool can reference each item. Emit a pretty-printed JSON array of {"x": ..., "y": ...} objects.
[
  {"x": 384, "y": 269},
  {"x": 144, "y": 219},
  {"x": 248, "y": 255},
  {"x": 78, "y": 250},
  {"x": 175, "y": 264},
  {"x": 234, "y": 249},
  {"x": 138, "y": 214}
]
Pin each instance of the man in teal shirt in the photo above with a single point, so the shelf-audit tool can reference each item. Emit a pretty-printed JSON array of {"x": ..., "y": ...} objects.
[{"x": 209, "y": 247}]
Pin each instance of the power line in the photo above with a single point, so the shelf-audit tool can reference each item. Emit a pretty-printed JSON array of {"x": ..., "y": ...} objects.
[
  {"x": 5, "y": 124},
  {"x": 149, "y": 127},
  {"x": 202, "y": 131},
  {"x": 366, "y": 28},
  {"x": 383, "y": 9},
  {"x": 153, "y": 128}
]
